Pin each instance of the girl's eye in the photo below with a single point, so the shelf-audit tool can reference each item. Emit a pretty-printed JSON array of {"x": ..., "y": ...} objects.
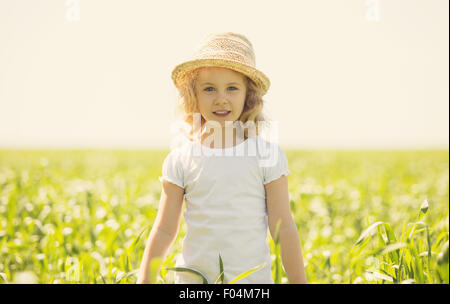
[{"x": 207, "y": 89}]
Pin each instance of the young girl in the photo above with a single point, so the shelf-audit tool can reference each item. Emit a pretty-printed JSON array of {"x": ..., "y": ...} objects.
[{"x": 232, "y": 194}]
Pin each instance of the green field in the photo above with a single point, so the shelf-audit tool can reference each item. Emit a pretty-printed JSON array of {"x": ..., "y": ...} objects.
[{"x": 362, "y": 216}]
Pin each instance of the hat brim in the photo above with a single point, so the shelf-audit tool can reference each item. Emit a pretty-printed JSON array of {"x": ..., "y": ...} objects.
[{"x": 257, "y": 76}]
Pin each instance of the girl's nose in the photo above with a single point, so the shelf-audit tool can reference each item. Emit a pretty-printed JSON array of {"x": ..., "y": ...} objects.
[{"x": 220, "y": 100}]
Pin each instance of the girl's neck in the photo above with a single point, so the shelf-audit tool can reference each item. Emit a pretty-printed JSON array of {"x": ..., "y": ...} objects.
[{"x": 222, "y": 138}]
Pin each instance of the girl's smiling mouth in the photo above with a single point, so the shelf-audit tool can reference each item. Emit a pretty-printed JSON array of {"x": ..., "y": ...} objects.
[{"x": 222, "y": 113}]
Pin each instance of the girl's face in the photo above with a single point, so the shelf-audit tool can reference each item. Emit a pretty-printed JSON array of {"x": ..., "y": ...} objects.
[{"x": 220, "y": 90}]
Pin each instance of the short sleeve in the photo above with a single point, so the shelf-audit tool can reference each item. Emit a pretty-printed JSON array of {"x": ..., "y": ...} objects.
[
  {"x": 277, "y": 167},
  {"x": 172, "y": 170}
]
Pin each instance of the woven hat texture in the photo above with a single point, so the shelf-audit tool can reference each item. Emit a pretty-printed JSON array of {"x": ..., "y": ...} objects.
[{"x": 227, "y": 50}]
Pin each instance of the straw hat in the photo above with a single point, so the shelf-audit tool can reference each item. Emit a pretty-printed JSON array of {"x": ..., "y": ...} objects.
[{"x": 228, "y": 50}]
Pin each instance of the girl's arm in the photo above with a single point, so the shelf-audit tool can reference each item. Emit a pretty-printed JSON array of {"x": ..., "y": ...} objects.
[
  {"x": 164, "y": 229},
  {"x": 277, "y": 200}
]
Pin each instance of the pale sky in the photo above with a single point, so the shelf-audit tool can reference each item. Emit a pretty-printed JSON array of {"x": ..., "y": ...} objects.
[{"x": 344, "y": 73}]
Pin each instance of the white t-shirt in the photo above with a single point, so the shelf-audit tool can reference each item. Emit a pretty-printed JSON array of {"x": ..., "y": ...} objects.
[{"x": 225, "y": 207}]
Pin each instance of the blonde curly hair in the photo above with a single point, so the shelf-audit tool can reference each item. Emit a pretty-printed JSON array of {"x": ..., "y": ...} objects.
[{"x": 187, "y": 105}]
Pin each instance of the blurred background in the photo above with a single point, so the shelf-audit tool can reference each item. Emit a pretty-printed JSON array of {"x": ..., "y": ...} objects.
[
  {"x": 359, "y": 95},
  {"x": 355, "y": 74}
]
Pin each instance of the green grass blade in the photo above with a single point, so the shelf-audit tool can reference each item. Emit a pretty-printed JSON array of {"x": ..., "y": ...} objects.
[
  {"x": 388, "y": 249},
  {"x": 221, "y": 276},
  {"x": 381, "y": 276},
  {"x": 136, "y": 239},
  {"x": 218, "y": 280},
  {"x": 423, "y": 209},
  {"x": 278, "y": 274},
  {"x": 390, "y": 233},
  {"x": 126, "y": 275},
  {"x": 244, "y": 274},
  {"x": 155, "y": 264},
  {"x": 190, "y": 270},
  {"x": 4, "y": 277},
  {"x": 367, "y": 232}
]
